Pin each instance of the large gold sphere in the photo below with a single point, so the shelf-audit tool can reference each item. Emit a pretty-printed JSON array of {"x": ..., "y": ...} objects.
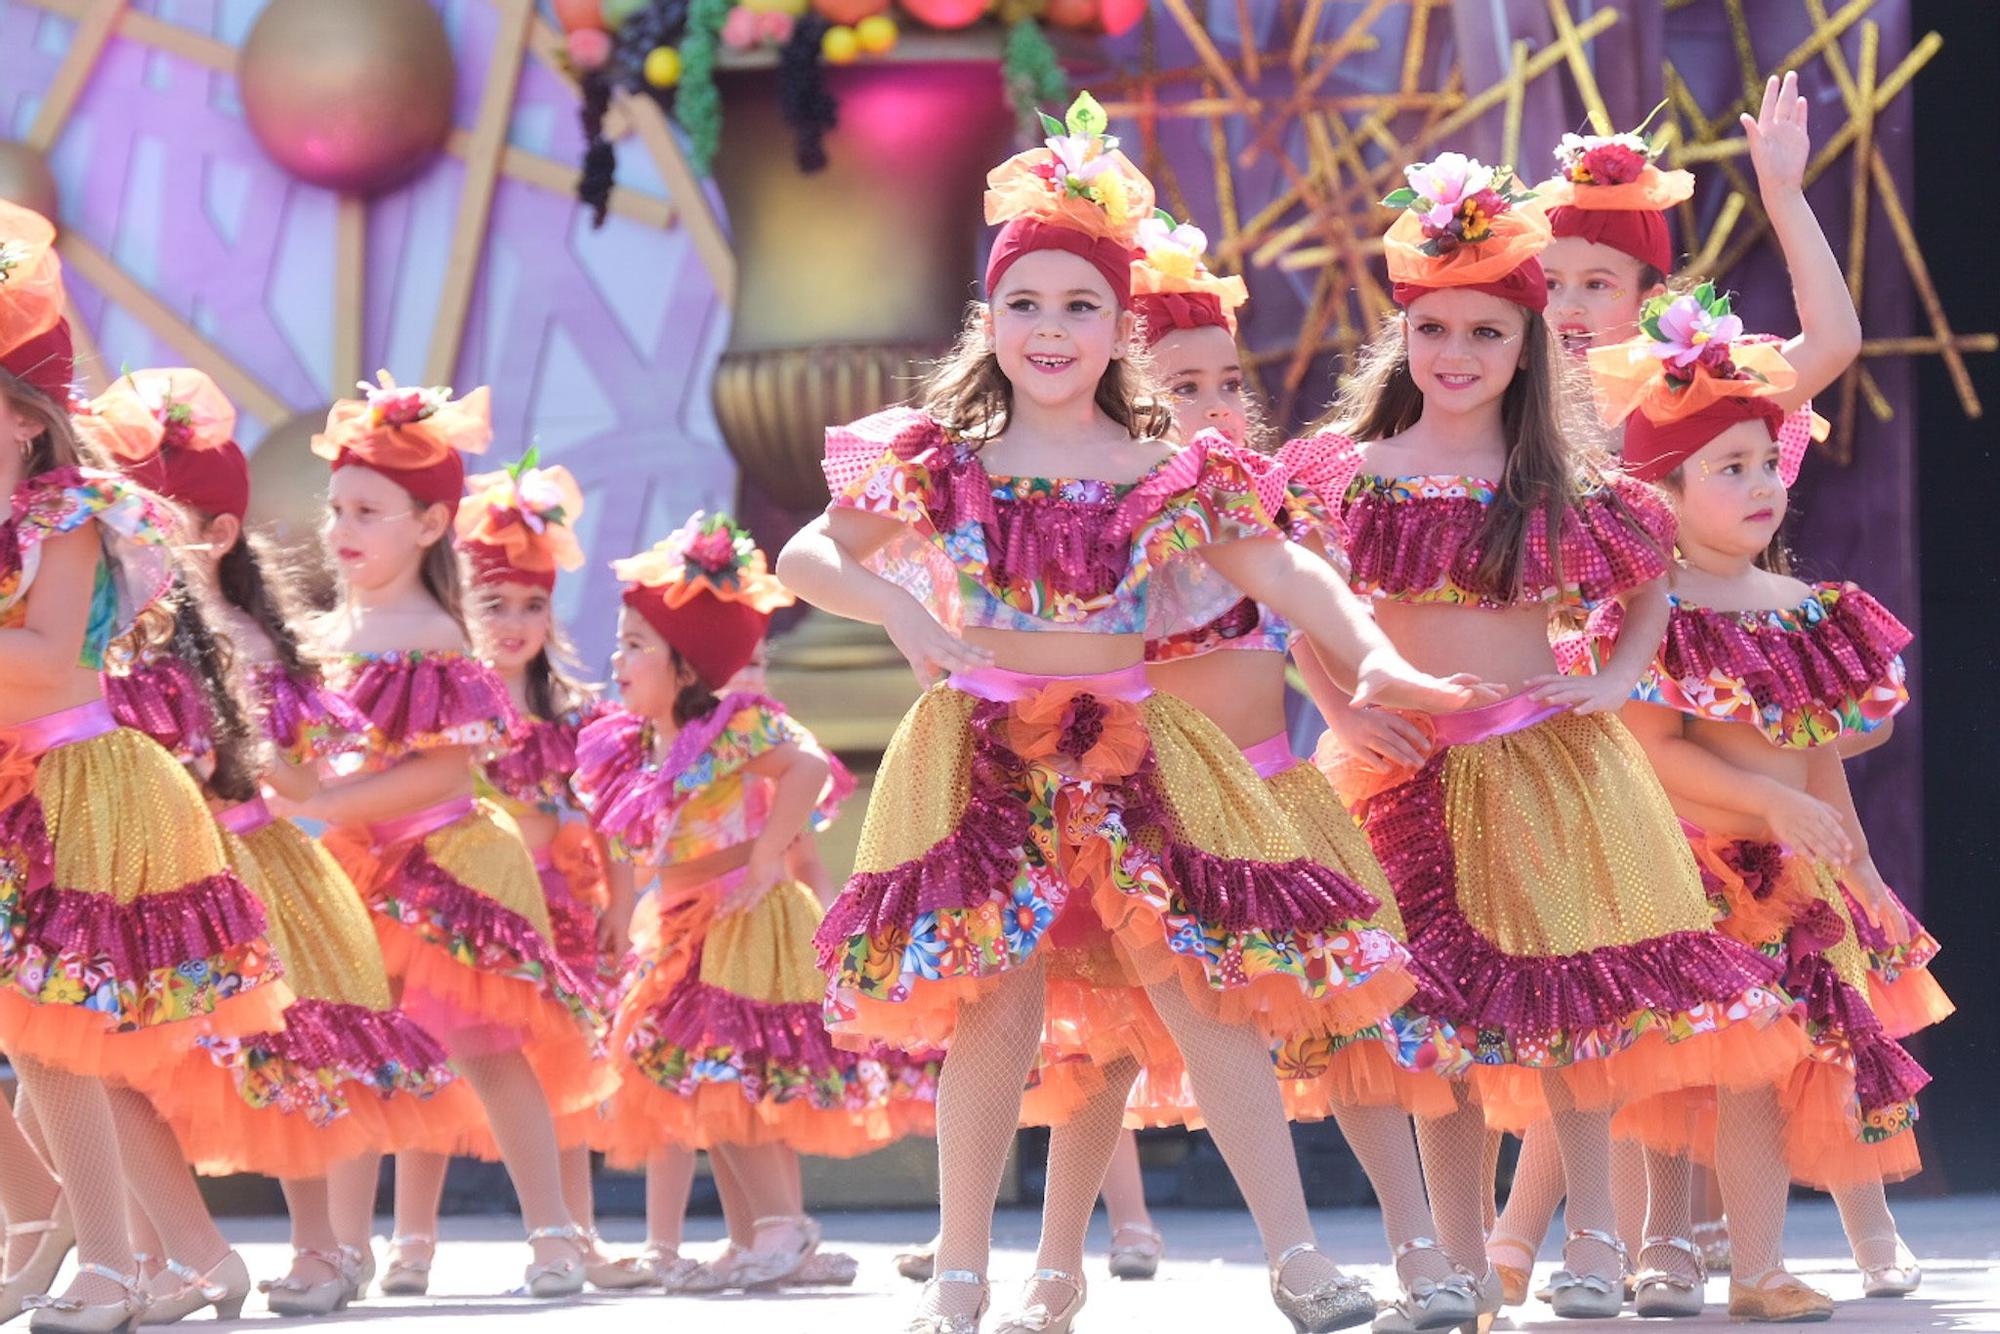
[
  {"x": 25, "y": 179},
  {"x": 288, "y": 495},
  {"x": 354, "y": 95}
]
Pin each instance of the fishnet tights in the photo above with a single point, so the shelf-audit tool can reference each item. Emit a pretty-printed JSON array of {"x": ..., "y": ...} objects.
[
  {"x": 420, "y": 1197},
  {"x": 1669, "y": 1184},
  {"x": 308, "y": 1204},
  {"x": 1080, "y": 1151},
  {"x": 1750, "y": 1164},
  {"x": 518, "y": 1112},
  {"x": 1453, "y": 1152},
  {"x": 1870, "y": 1228},
  {"x": 162, "y": 1185},
  {"x": 1380, "y": 1139},
  {"x": 1125, "y": 1187},
  {"x": 1531, "y": 1201},
  {"x": 75, "y": 1117},
  {"x": 1585, "y": 1140},
  {"x": 351, "y": 1188},
  {"x": 28, "y": 1190},
  {"x": 577, "y": 1193}
]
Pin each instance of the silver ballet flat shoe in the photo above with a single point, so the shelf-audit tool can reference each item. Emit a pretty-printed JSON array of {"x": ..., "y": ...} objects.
[
  {"x": 1663, "y": 1294},
  {"x": 1339, "y": 1302},
  {"x": 1588, "y": 1296}
]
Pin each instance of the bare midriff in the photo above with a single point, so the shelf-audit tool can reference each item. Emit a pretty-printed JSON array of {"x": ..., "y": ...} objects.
[
  {"x": 79, "y": 686},
  {"x": 1508, "y": 645},
  {"x": 1059, "y": 652},
  {"x": 1241, "y": 690}
]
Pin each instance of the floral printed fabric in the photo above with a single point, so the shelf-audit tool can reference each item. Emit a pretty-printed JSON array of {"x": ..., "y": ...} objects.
[{"x": 135, "y": 573}]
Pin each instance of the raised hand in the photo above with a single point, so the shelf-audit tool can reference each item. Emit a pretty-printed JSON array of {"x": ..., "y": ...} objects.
[{"x": 1780, "y": 146}]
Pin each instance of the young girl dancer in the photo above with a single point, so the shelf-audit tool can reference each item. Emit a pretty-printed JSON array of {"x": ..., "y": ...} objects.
[
  {"x": 1612, "y": 249},
  {"x": 118, "y": 949},
  {"x": 718, "y": 1039},
  {"x": 1740, "y": 711},
  {"x": 1475, "y": 492},
  {"x": 456, "y": 901},
  {"x": 349, "y": 1074},
  {"x": 517, "y": 530},
  {"x": 1059, "y": 864},
  {"x": 1233, "y": 669}
]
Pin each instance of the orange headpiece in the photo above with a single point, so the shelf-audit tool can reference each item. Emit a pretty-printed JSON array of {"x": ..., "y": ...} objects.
[
  {"x": 518, "y": 525},
  {"x": 34, "y": 336},
  {"x": 1465, "y": 224},
  {"x": 174, "y": 431},
  {"x": 1076, "y": 192},
  {"x": 707, "y": 590},
  {"x": 1607, "y": 189},
  {"x": 1690, "y": 375},
  {"x": 1171, "y": 285},
  {"x": 416, "y": 437}
]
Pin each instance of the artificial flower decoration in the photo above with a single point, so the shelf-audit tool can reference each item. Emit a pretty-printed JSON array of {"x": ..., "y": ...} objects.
[
  {"x": 1077, "y": 178},
  {"x": 1076, "y": 732},
  {"x": 1174, "y": 248},
  {"x": 710, "y": 553},
  {"x": 1615, "y": 172},
  {"x": 1171, "y": 285},
  {"x": 192, "y": 410},
  {"x": 405, "y": 426},
  {"x": 121, "y": 424},
  {"x": 1699, "y": 327},
  {"x": 1457, "y": 200},
  {"x": 526, "y": 512},
  {"x": 17, "y": 771},
  {"x": 1465, "y": 224}
]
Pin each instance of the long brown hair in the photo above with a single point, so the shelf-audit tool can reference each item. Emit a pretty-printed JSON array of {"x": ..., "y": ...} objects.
[
  {"x": 181, "y": 625},
  {"x": 1555, "y": 448},
  {"x": 556, "y": 682},
  {"x": 970, "y": 395},
  {"x": 443, "y": 576},
  {"x": 257, "y": 579},
  {"x": 56, "y": 445}
]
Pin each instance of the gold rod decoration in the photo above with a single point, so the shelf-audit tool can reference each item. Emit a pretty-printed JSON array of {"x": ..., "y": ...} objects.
[
  {"x": 1857, "y": 216},
  {"x": 166, "y": 324},
  {"x": 1579, "y": 66},
  {"x": 93, "y": 30},
  {"x": 705, "y": 230},
  {"x": 475, "y": 199},
  {"x": 1517, "y": 96},
  {"x": 350, "y": 293}
]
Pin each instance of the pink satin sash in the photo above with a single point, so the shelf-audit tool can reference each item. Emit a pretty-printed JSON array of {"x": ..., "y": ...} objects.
[
  {"x": 246, "y": 818},
  {"x": 419, "y": 823},
  {"x": 51, "y": 731},
  {"x": 1514, "y": 714},
  {"x": 1271, "y": 756},
  {"x": 1002, "y": 686}
]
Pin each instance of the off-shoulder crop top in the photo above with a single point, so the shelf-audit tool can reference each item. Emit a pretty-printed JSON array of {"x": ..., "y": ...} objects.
[
  {"x": 134, "y": 572},
  {"x": 1803, "y": 676},
  {"x": 1032, "y": 553},
  {"x": 1248, "y": 626},
  {"x": 1415, "y": 539},
  {"x": 533, "y": 772},
  {"x": 418, "y": 701},
  {"x": 696, "y": 800}
]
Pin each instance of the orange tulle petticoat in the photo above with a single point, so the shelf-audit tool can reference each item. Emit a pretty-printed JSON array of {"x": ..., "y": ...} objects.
[
  {"x": 718, "y": 1040},
  {"x": 1849, "y": 1110},
  {"x": 120, "y": 949},
  {"x": 464, "y": 926},
  {"x": 349, "y": 1073},
  {"x": 1116, "y": 839},
  {"x": 1901, "y": 990},
  {"x": 1539, "y": 865}
]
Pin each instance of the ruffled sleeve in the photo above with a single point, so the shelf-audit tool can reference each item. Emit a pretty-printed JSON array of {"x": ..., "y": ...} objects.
[
  {"x": 162, "y": 697},
  {"x": 138, "y": 569},
  {"x": 1208, "y": 493},
  {"x": 1602, "y": 555},
  {"x": 1318, "y": 470},
  {"x": 1795, "y": 437},
  {"x": 303, "y": 717},
  {"x": 898, "y": 464},
  {"x": 538, "y": 767},
  {"x": 427, "y": 701}
]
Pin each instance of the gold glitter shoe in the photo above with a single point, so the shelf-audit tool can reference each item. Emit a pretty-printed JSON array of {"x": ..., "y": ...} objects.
[
  {"x": 1790, "y": 1302},
  {"x": 1339, "y": 1302}
]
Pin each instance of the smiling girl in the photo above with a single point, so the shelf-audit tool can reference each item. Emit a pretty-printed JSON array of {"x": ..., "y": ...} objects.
[{"x": 1058, "y": 860}]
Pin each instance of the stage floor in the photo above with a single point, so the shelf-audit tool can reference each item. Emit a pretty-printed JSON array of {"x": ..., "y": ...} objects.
[{"x": 1211, "y": 1280}]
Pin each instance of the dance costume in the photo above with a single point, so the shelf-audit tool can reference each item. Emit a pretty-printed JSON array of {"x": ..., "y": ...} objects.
[
  {"x": 1803, "y": 676},
  {"x": 118, "y": 950},
  {"x": 718, "y": 1037}
]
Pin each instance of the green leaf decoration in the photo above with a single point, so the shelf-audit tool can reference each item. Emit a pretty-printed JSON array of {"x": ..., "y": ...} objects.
[
  {"x": 1052, "y": 127},
  {"x": 1402, "y": 198},
  {"x": 1086, "y": 117}
]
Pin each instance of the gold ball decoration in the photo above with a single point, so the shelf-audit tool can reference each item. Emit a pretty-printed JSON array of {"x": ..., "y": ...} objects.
[
  {"x": 25, "y": 179},
  {"x": 288, "y": 496},
  {"x": 354, "y": 96}
]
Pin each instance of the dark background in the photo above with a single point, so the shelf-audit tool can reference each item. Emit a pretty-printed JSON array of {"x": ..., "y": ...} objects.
[{"x": 1958, "y": 497}]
